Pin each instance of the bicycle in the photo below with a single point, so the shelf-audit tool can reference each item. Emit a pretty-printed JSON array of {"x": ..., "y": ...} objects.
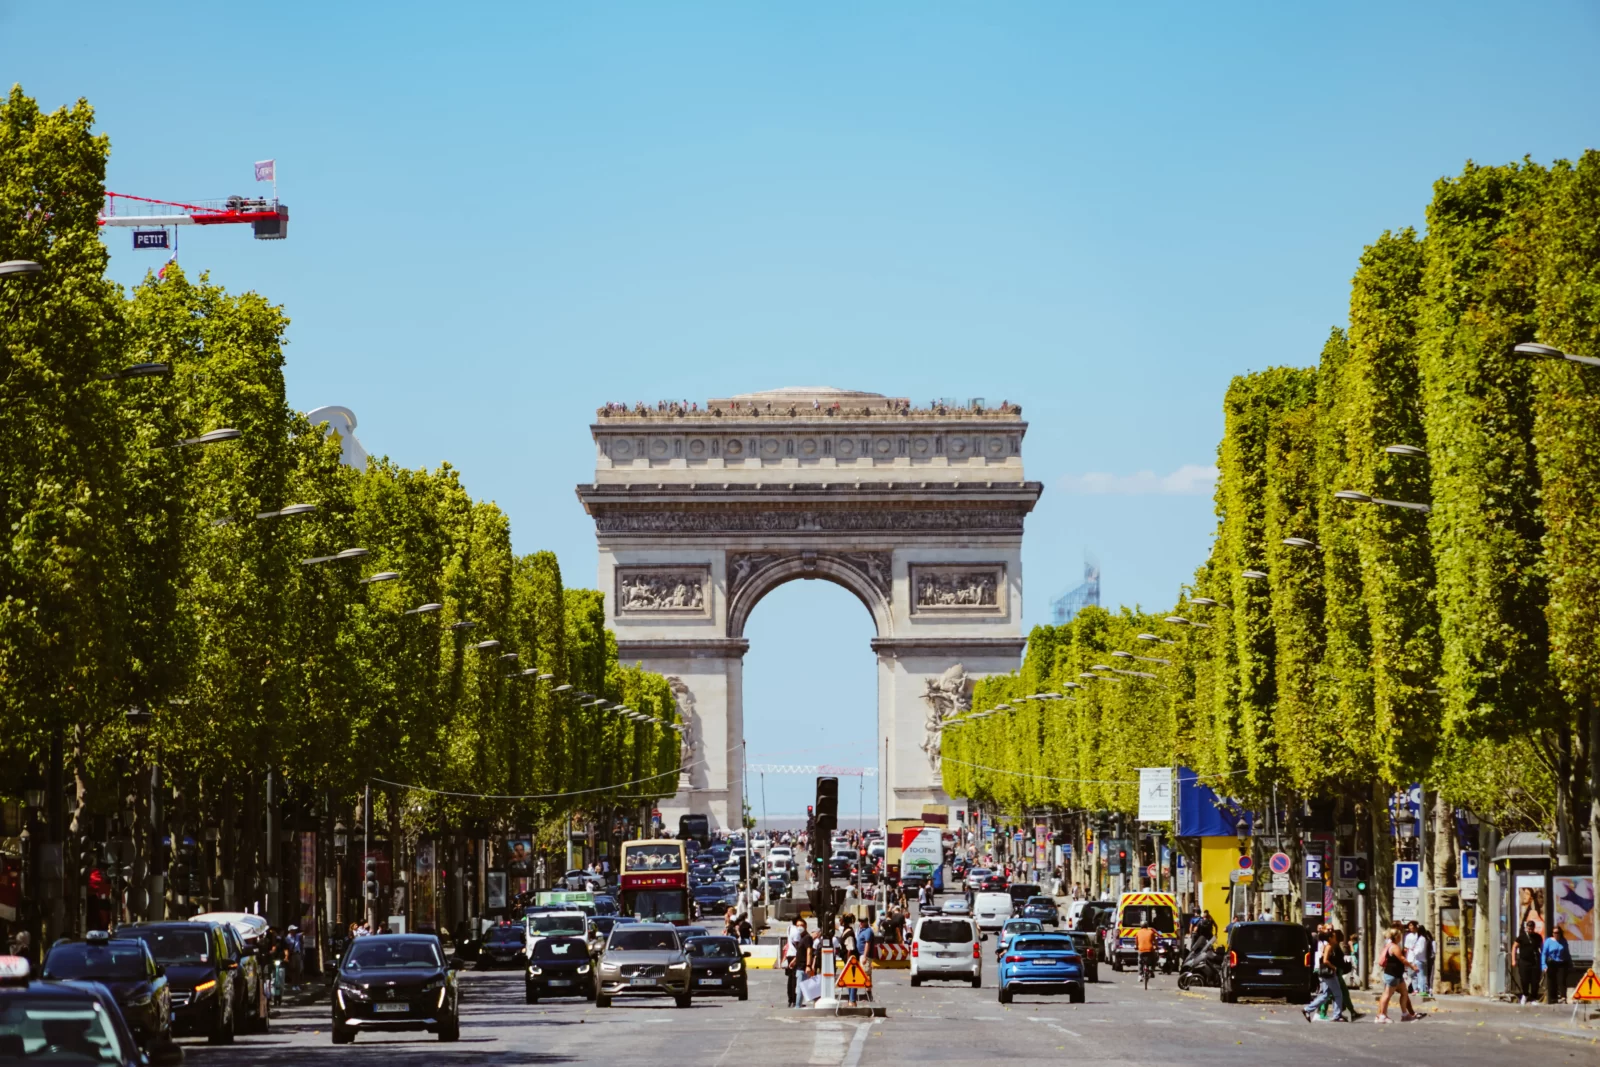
[{"x": 1147, "y": 967}]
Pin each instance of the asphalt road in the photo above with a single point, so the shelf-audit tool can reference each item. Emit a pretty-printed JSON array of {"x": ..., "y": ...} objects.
[{"x": 937, "y": 1023}]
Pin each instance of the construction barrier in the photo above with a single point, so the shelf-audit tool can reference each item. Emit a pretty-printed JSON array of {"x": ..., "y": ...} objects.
[{"x": 894, "y": 957}]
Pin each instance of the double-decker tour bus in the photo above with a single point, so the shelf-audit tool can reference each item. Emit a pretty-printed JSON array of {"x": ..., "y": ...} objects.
[{"x": 655, "y": 881}]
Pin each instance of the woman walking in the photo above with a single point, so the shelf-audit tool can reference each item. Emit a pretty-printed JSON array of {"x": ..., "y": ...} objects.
[
  {"x": 1392, "y": 960},
  {"x": 1330, "y": 964}
]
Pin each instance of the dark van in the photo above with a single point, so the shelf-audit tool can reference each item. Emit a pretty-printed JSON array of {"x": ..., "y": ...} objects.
[{"x": 1267, "y": 960}]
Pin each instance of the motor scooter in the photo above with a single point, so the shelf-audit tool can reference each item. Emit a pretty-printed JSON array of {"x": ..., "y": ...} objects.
[{"x": 1202, "y": 967}]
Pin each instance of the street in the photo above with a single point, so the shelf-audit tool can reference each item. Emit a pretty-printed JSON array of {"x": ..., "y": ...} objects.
[{"x": 942, "y": 1023}]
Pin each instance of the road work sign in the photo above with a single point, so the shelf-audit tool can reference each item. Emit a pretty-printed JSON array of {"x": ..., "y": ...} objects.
[{"x": 854, "y": 976}]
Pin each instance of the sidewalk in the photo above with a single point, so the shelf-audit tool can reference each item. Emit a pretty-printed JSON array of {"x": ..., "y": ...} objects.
[{"x": 1551, "y": 1018}]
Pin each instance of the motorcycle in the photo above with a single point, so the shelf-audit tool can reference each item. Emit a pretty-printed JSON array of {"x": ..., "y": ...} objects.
[{"x": 1202, "y": 967}]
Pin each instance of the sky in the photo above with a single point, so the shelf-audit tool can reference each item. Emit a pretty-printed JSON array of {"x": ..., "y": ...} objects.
[{"x": 504, "y": 215}]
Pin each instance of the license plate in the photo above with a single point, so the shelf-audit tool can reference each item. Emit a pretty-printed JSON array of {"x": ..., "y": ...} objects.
[
  {"x": 560, "y": 981},
  {"x": 1044, "y": 963},
  {"x": 391, "y": 1007},
  {"x": 947, "y": 955},
  {"x": 1271, "y": 973},
  {"x": 710, "y": 981},
  {"x": 643, "y": 981}
]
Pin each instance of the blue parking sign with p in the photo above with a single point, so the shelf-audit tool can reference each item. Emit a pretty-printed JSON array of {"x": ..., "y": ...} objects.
[
  {"x": 1407, "y": 875},
  {"x": 1469, "y": 865}
]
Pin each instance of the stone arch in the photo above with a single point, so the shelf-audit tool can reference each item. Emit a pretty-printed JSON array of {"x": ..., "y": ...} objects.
[{"x": 867, "y": 575}]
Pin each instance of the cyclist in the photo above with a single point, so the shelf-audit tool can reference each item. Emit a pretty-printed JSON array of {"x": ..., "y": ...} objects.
[{"x": 1144, "y": 939}]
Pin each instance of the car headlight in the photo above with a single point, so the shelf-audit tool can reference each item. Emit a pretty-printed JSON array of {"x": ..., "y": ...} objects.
[
  {"x": 437, "y": 983},
  {"x": 735, "y": 968},
  {"x": 583, "y": 968},
  {"x": 353, "y": 991},
  {"x": 608, "y": 968},
  {"x": 535, "y": 970},
  {"x": 684, "y": 966}
]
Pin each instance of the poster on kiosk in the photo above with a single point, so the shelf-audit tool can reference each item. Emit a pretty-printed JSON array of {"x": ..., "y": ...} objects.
[{"x": 922, "y": 851}]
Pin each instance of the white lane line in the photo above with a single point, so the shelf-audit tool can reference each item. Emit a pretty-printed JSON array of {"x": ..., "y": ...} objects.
[
  {"x": 988, "y": 1018},
  {"x": 1062, "y": 1029},
  {"x": 857, "y": 1044}
]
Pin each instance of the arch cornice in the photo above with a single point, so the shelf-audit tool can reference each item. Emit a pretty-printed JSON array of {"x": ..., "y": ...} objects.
[{"x": 751, "y": 576}]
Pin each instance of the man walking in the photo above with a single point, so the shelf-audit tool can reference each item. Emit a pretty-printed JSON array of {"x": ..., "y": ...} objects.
[
  {"x": 1526, "y": 955},
  {"x": 1418, "y": 948},
  {"x": 797, "y": 953},
  {"x": 1557, "y": 957}
]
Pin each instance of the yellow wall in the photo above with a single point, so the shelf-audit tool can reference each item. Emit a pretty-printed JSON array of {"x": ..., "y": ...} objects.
[{"x": 1219, "y": 857}]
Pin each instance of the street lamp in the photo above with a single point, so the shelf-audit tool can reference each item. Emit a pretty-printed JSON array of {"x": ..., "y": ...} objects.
[
  {"x": 1203, "y": 601},
  {"x": 424, "y": 609},
  {"x": 381, "y": 576},
  {"x": 337, "y": 557},
  {"x": 1357, "y": 497},
  {"x": 138, "y": 370},
  {"x": 1527, "y": 348},
  {"x": 463, "y": 625},
  {"x": 20, "y": 266},
  {"x": 1406, "y": 450},
  {"x": 284, "y": 513},
  {"x": 210, "y": 437},
  {"x": 1252, "y": 574},
  {"x": 485, "y": 646}
]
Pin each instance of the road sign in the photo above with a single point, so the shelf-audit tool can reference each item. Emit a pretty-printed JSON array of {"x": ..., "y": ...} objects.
[
  {"x": 854, "y": 976},
  {"x": 1313, "y": 866},
  {"x": 1469, "y": 875},
  {"x": 1280, "y": 885},
  {"x": 1352, "y": 869},
  {"x": 1150, "y": 871},
  {"x": 1407, "y": 891},
  {"x": 1588, "y": 987},
  {"x": 1245, "y": 862},
  {"x": 1280, "y": 863}
]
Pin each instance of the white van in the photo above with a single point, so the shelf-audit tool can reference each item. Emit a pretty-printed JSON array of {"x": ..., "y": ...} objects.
[
  {"x": 945, "y": 947},
  {"x": 991, "y": 909}
]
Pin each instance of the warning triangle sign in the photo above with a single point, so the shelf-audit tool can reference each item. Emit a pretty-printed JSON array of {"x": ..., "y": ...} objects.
[
  {"x": 1588, "y": 987},
  {"x": 854, "y": 976}
]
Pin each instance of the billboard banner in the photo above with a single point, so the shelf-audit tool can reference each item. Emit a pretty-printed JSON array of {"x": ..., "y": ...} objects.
[{"x": 1155, "y": 794}]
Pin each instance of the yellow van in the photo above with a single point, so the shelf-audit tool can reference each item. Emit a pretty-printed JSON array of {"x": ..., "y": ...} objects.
[{"x": 1161, "y": 909}]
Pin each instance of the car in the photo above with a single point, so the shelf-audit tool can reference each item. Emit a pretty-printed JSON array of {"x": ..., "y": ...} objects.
[
  {"x": 396, "y": 982},
  {"x": 244, "y": 932},
  {"x": 504, "y": 945},
  {"x": 203, "y": 986},
  {"x": 126, "y": 968},
  {"x": 992, "y": 909},
  {"x": 583, "y": 881},
  {"x": 1011, "y": 929},
  {"x": 1268, "y": 959},
  {"x": 1042, "y": 908},
  {"x": 1090, "y": 914},
  {"x": 842, "y": 864},
  {"x": 717, "y": 967},
  {"x": 644, "y": 959},
  {"x": 976, "y": 875},
  {"x": 605, "y": 904},
  {"x": 994, "y": 881},
  {"x": 62, "y": 1022},
  {"x": 783, "y": 852},
  {"x": 1041, "y": 963},
  {"x": 561, "y": 922},
  {"x": 947, "y": 948},
  {"x": 1088, "y": 945},
  {"x": 686, "y": 932},
  {"x": 558, "y": 967},
  {"x": 716, "y": 898},
  {"x": 956, "y": 906},
  {"x": 777, "y": 887},
  {"x": 1020, "y": 894}
]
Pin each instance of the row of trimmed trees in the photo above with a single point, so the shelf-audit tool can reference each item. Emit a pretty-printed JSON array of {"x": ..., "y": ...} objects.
[
  {"x": 155, "y": 609},
  {"x": 1335, "y": 647}
]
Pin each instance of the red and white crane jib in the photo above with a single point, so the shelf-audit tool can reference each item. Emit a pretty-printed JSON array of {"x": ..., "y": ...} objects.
[{"x": 268, "y": 218}]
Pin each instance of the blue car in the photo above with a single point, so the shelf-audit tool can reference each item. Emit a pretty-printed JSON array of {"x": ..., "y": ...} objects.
[{"x": 1041, "y": 963}]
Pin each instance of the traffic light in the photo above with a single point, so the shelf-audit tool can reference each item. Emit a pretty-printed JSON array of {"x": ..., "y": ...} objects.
[
  {"x": 86, "y": 855},
  {"x": 1361, "y": 885},
  {"x": 827, "y": 805},
  {"x": 372, "y": 878}
]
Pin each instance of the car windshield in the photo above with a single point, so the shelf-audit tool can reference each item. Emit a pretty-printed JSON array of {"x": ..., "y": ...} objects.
[
  {"x": 1267, "y": 939},
  {"x": 368, "y": 954},
  {"x": 946, "y": 931},
  {"x": 1041, "y": 902},
  {"x": 713, "y": 948},
  {"x": 656, "y": 905},
  {"x": 176, "y": 946},
  {"x": 116, "y": 960},
  {"x": 502, "y": 935},
  {"x": 557, "y": 924},
  {"x": 41, "y": 1028},
  {"x": 560, "y": 948},
  {"x": 1160, "y": 916},
  {"x": 602, "y": 925},
  {"x": 1023, "y": 926},
  {"x": 643, "y": 940},
  {"x": 1043, "y": 944}
]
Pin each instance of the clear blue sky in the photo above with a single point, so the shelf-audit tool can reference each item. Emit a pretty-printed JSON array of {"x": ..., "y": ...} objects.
[{"x": 506, "y": 214}]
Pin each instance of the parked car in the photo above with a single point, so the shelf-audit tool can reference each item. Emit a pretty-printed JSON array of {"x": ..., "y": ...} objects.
[
  {"x": 644, "y": 959},
  {"x": 1041, "y": 963},
  {"x": 389, "y": 982},
  {"x": 717, "y": 967},
  {"x": 36, "y": 1015},
  {"x": 203, "y": 986},
  {"x": 559, "y": 967},
  {"x": 126, "y": 968},
  {"x": 1267, "y": 959},
  {"x": 947, "y": 948},
  {"x": 245, "y": 932}
]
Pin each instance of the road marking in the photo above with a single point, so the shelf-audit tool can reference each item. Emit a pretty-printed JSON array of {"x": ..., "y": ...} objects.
[
  {"x": 828, "y": 1045},
  {"x": 988, "y": 1018},
  {"x": 1064, "y": 1030},
  {"x": 857, "y": 1043}
]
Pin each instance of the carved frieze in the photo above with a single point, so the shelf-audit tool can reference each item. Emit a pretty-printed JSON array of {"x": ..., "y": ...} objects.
[
  {"x": 664, "y": 590},
  {"x": 609, "y": 520},
  {"x": 958, "y": 588},
  {"x": 876, "y": 568},
  {"x": 742, "y": 566}
]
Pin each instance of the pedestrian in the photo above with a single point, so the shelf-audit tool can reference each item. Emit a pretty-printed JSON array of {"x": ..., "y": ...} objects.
[
  {"x": 1392, "y": 960},
  {"x": 294, "y": 955},
  {"x": 1557, "y": 957},
  {"x": 746, "y": 931},
  {"x": 864, "y": 939},
  {"x": 795, "y": 957},
  {"x": 846, "y": 950},
  {"x": 1526, "y": 956},
  {"x": 1419, "y": 951},
  {"x": 1330, "y": 964}
]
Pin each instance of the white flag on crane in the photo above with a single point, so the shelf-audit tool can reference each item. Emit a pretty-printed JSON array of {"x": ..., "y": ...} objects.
[{"x": 266, "y": 170}]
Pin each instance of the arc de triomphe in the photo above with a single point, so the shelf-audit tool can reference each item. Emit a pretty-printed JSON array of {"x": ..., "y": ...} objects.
[{"x": 918, "y": 512}]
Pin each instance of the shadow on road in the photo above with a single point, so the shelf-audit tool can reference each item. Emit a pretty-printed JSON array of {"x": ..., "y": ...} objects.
[{"x": 389, "y": 1051}]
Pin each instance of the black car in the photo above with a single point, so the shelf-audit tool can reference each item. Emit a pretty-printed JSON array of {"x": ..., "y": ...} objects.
[
  {"x": 252, "y": 984},
  {"x": 1088, "y": 945},
  {"x": 67, "y": 1022},
  {"x": 131, "y": 974},
  {"x": 202, "y": 976},
  {"x": 503, "y": 946},
  {"x": 396, "y": 982},
  {"x": 1267, "y": 959},
  {"x": 559, "y": 967},
  {"x": 606, "y": 904},
  {"x": 842, "y": 865},
  {"x": 715, "y": 899},
  {"x": 717, "y": 967},
  {"x": 1021, "y": 893},
  {"x": 1042, "y": 908}
]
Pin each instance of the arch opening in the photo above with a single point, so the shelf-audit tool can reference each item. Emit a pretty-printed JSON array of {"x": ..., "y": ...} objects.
[{"x": 809, "y": 566}]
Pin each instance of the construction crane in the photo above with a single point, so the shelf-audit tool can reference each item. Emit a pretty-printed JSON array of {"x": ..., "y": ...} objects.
[{"x": 266, "y": 216}]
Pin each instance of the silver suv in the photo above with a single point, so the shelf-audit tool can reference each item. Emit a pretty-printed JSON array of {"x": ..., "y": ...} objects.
[
  {"x": 945, "y": 947},
  {"x": 644, "y": 959}
]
